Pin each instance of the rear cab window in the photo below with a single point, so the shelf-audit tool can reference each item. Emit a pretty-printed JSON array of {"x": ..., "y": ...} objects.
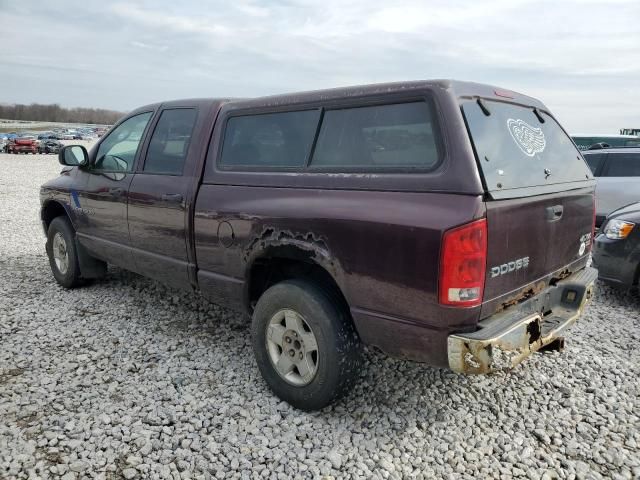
[{"x": 522, "y": 151}]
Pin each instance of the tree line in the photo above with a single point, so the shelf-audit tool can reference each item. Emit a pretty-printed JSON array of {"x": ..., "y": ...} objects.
[{"x": 55, "y": 113}]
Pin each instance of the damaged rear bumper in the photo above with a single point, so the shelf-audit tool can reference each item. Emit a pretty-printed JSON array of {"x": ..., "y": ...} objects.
[{"x": 504, "y": 340}]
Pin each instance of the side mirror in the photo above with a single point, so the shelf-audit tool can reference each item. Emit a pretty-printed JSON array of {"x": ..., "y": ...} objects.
[{"x": 73, "y": 156}]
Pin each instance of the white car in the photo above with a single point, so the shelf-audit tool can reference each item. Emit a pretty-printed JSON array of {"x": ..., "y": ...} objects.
[
  {"x": 617, "y": 171},
  {"x": 583, "y": 142}
]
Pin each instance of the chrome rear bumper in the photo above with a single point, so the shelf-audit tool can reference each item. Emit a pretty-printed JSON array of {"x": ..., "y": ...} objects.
[{"x": 504, "y": 340}]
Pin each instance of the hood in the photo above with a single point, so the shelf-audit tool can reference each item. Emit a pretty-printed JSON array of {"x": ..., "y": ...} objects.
[{"x": 628, "y": 212}]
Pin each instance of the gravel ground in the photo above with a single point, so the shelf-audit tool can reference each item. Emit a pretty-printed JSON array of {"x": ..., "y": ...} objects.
[{"x": 127, "y": 378}]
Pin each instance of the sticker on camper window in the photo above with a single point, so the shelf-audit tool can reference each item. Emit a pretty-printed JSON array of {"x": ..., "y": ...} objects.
[{"x": 529, "y": 139}]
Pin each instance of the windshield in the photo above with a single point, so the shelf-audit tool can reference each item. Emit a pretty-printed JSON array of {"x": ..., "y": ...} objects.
[{"x": 518, "y": 148}]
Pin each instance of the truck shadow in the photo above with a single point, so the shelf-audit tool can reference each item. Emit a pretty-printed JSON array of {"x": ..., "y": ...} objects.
[{"x": 386, "y": 384}]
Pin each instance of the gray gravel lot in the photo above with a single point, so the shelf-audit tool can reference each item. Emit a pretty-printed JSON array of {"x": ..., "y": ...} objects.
[{"x": 127, "y": 378}]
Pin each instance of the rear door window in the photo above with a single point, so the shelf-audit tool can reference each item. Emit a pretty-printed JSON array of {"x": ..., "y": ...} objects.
[
  {"x": 170, "y": 141},
  {"x": 269, "y": 140},
  {"x": 622, "y": 165},
  {"x": 399, "y": 136},
  {"x": 516, "y": 149}
]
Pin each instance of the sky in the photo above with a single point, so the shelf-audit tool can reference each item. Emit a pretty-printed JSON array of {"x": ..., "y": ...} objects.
[{"x": 581, "y": 57}]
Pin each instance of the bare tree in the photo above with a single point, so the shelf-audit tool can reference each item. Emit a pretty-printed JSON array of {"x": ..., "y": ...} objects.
[{"x": 56, "y": 113}]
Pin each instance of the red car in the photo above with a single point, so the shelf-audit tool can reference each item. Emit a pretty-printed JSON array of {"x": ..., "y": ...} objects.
[{"x": 22, "y": 145}]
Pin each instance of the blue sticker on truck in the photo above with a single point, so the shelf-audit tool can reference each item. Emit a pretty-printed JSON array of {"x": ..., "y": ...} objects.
[{"x": 75, "y": 198}]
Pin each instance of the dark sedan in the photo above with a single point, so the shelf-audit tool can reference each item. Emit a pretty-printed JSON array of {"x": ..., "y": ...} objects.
[
  {"x": 617, "y": 248},
  {"x": 49, "y": 146}
]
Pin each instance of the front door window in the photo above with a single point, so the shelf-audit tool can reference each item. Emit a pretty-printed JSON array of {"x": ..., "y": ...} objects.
[{"x": 117, "y": 151}]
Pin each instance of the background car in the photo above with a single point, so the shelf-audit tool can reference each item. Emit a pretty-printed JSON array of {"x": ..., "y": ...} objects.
[
  {"x": 583, "y": 142},
  {"x": 22, "y": 144},
  {"x": 617, "y": 171},
  {"x": 49, "y": 146},
  {"x": 616, "y": 251}
]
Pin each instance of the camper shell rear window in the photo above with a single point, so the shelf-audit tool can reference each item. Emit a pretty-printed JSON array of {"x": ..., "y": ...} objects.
[{"x": 520, "y": 147}]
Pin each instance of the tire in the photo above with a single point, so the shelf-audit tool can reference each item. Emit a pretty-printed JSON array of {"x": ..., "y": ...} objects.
[
  {"x": 61, "y": 250},
  {"x": 319, "y": 377}
]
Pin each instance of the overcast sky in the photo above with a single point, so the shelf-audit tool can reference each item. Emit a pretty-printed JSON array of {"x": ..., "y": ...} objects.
[{"x": 582, "y": 58}]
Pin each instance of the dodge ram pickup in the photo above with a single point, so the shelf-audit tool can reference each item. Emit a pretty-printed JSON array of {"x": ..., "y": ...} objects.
[{"x": 438, "y": 221}]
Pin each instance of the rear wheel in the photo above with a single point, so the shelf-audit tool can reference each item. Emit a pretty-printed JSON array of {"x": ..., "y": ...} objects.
[
  {"x": 61, "y": 250},
  {"x": 305, "y": 344}
]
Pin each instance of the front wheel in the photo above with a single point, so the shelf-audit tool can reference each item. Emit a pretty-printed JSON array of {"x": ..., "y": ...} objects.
[
  {"x": 61, "y": 249},
  {"x": 305, "y": 344}
]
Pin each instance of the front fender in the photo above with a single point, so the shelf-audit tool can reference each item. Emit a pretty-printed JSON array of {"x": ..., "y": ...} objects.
[{"x": 54, "y": 205}]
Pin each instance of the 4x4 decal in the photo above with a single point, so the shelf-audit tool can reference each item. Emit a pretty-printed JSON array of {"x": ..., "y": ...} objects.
[{"x": 77, "y": 208}]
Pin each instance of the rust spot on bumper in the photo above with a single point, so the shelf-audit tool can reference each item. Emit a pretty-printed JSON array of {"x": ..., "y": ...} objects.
[{"x": 522, "y": 295}]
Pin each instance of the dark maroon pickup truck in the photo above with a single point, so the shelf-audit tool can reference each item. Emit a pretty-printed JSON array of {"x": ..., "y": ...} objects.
[{"x": 439, "y": 221}]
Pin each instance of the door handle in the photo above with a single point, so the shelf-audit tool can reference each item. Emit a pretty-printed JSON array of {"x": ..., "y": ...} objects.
[
  {"x": 554, "y": 213},
  {"x": 116, "y": 192},
  {"x": 172, "y": 197}
]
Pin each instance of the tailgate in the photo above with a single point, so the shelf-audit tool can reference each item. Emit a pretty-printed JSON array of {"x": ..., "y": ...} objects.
[{"x": 532, "y": 237}]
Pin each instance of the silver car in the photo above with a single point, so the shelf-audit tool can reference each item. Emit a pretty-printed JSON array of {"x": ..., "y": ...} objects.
[{"x": 617, "y": 171}]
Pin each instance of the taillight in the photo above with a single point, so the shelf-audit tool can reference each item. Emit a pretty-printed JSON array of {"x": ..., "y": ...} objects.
[{"x": 463, "y": 264}]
